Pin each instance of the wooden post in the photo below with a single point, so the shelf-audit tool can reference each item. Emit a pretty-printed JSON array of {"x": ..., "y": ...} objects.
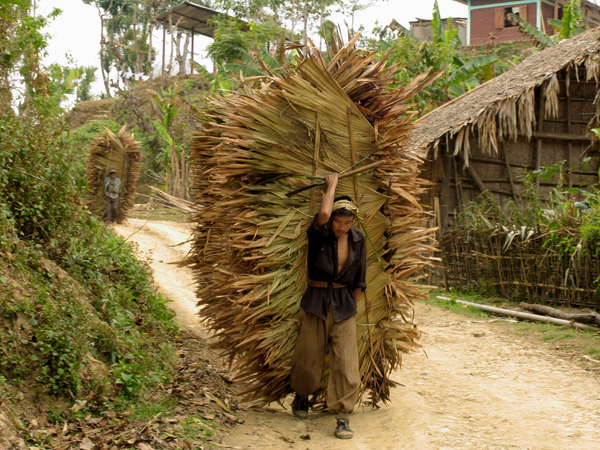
[
  {"x": 353, "y": 153},
  {"x": 315, "y": 159},
  {"x": 357, "y": 200},
  {"x": 457, "y": 186},
  {"x": 445, "y": 188},
  {"x": 538, "y": 153},
  {"x": 164, "y": 46},
  {"x": 510, "y": 178},
  {"x": 480, "y": 186},
  {"x": 192, "y": 58},
  {"x": 569, "y": 143}
]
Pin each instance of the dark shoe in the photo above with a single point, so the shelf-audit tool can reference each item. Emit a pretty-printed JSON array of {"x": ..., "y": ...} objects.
[
  {"x": 343, "y": 431},
  {"x": 300, "y": 407}
]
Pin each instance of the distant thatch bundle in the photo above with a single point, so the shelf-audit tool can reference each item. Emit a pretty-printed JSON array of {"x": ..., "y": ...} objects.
[
  {"x": 330, "y": 113},
  {"x": 113, "y": 151}
]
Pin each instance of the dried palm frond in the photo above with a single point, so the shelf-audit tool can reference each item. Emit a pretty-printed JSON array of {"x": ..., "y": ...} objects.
[
  {"x": 330, "y": 113},
  {"x": 172, "y": 202},
  {"x": 113, "y": 151}
]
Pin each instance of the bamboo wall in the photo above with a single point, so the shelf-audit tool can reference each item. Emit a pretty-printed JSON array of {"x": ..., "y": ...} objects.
[
  {"x": 525, "y": 270},
  {"x": 561, "y": 138}
]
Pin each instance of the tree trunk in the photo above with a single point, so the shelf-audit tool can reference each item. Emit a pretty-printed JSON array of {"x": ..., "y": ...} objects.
[
  {"x": 525, "y": 316},
  {"x": 175, "y": 181},
  {"x": 170, "y": 9},
  {"x": 293, "y": 19},
  {"x": 183, "y": 177},
  {"x": 548, "y": 311},
  {"x": 138, "y": 57},
  {"x": 182, "y": 54},
  {"x": 305, "y": 18},
  {"x": 104, "y": 75},
  {"x": 149, "y": 69},
  {"x": 102, "y": 68}
]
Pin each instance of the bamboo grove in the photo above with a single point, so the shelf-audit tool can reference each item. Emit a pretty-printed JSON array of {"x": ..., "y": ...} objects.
[{"x": 332, "y": 111}]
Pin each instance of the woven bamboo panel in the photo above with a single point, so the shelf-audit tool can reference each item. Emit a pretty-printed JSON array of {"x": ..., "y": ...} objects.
[{"x": 524, "y": 270}]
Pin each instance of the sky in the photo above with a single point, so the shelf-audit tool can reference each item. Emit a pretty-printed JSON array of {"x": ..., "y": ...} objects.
[{"x": 76, "y": 32}]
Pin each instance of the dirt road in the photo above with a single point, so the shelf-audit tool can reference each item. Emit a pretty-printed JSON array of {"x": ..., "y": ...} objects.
[{"x": 478, "y": 388}]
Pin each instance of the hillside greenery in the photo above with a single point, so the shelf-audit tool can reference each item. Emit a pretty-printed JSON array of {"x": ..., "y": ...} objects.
[{"x": 78, "y": 313}]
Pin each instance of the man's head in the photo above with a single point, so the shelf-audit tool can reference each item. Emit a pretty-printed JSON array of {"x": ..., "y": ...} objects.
[
  {"x": 342, "y": 217},
  {"x": 112, "y": 173}
]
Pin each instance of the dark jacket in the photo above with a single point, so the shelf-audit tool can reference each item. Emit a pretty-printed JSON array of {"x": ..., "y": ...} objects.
[{"x": 323, "y": 266}]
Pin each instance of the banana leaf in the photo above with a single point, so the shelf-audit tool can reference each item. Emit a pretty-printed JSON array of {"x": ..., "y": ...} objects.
[{"x": 532, "y": 31}]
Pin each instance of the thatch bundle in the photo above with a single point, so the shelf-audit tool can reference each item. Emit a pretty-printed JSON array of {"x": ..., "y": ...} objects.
[
  {"x": 113, "y": 151},
  {"x": 330, "y": 113}
]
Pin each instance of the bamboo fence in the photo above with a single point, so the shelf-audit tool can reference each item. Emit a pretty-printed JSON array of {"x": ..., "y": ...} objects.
[
  {"x": 332, "y": 112},
  {"x": 524, "y": 269},
  {"x": 113, "y": 151}
]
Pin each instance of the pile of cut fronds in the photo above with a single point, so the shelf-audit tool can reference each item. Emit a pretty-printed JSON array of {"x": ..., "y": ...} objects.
[
  {"x": 331, "y": 112},
  {"x": 113, "y": 151}
]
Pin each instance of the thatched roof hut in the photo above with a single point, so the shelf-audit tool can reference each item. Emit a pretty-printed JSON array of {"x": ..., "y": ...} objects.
[
  {"x": 113, "y": 151},
  {"x": 540, "y": 112}
]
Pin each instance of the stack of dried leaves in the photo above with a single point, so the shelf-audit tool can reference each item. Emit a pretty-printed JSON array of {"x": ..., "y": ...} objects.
[
  {"x": 113, "y": 151},
  {"x": 331, "y": 112}
]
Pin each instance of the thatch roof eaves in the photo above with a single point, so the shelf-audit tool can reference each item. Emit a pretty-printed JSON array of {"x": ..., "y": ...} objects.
[{"x": 504, "y": 105}]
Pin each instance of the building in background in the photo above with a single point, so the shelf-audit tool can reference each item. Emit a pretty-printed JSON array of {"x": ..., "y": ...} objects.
[
  {"x": 422, "y": 28},
  {"x": 487, "y": 18}
]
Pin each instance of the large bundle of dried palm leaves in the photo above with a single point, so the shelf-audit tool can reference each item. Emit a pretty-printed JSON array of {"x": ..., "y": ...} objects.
[
  {"x": 113, "y": 151},
  {"x": 331, "y": 112}
]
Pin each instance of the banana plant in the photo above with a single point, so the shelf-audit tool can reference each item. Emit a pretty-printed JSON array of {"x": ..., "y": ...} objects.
[
  {"x": 260, "y": 64},
  {"x": 177, "y": 172},
  {"x": 441, "y": 53},
  {"x": 464, "y": 78}
]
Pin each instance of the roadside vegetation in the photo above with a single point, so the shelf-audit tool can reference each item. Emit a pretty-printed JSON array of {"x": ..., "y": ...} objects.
[{"x": 85, "y": 339}]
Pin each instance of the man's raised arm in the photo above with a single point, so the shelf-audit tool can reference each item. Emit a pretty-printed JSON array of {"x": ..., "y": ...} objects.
[{"x": 331, "y": 181}]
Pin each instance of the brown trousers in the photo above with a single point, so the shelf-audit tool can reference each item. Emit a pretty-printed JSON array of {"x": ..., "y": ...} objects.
[
  {"x": 112, "y": 208},
  {"x": 315, "y": 335}
]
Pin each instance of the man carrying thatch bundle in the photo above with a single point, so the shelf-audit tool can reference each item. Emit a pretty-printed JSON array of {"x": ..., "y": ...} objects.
[
  {"x": 337, "y": 272},
  {"x": 112, "y": 173},
  {"x": 252, "y": 158},
  {"x": 112, "y": 190}
]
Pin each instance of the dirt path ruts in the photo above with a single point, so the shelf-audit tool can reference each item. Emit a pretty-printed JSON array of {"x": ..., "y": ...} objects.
[{"x": 478, "y": 388}]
